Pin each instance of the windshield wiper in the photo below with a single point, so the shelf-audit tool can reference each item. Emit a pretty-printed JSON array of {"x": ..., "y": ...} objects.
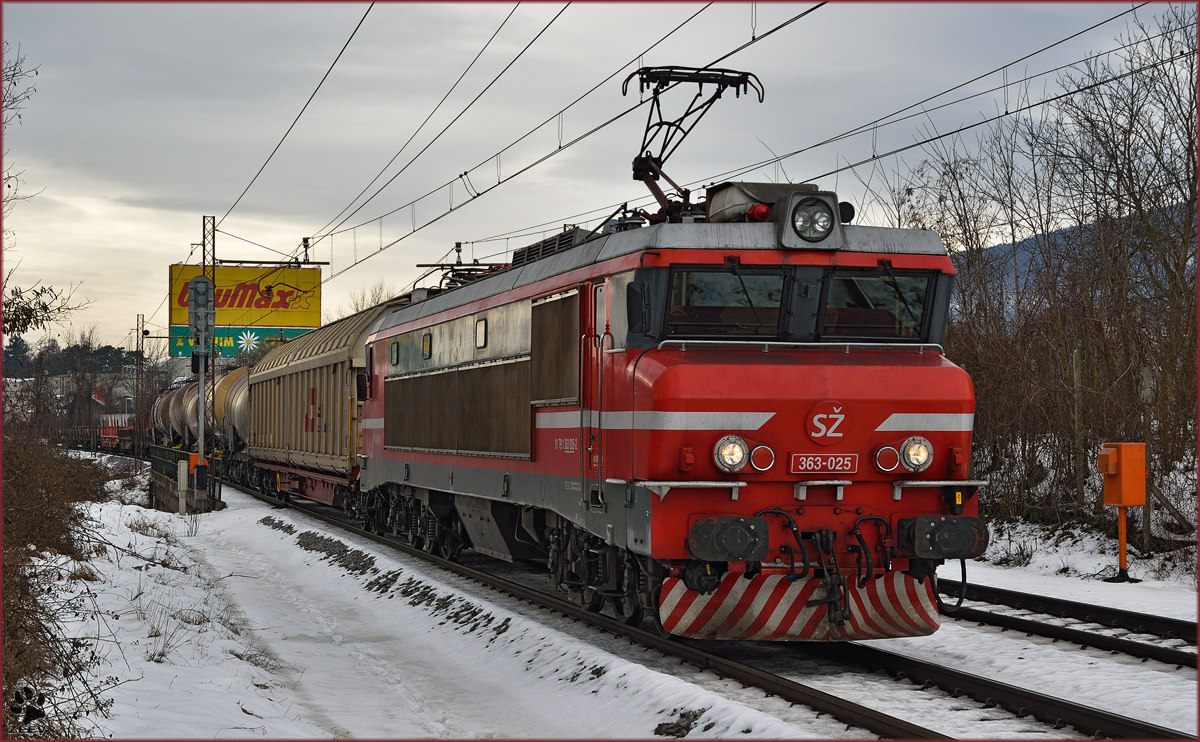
[
  {"x": 887, "y": 266},
  {"x": 748, "y": 299}
]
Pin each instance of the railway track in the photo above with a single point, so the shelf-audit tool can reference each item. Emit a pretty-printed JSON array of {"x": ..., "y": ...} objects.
[
  {"x": 1021, "y": 702},
  {"x": 1053, "y": 711},
  {"x": 1082, "y": 637},
  {"x": 1167, "y": 628}
]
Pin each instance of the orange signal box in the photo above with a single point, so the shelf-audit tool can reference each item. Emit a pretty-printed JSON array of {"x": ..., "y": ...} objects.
[
  {"x": 1124, "y": 468},
  {"x": 193, "y": 459}
]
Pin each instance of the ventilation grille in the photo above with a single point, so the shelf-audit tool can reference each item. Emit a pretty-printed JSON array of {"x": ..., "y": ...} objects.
[{"x": 564, "y": 240}]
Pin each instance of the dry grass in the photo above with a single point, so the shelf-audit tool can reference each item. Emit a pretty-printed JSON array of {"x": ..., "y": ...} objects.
[{"x": 149, "y": 528}]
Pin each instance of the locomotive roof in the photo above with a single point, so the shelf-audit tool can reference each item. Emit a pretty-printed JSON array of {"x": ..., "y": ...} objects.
[{"x": 700, "y": 236}]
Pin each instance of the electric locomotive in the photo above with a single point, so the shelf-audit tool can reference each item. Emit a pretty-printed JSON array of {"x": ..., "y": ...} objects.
[{"x": 745, "y": 428}]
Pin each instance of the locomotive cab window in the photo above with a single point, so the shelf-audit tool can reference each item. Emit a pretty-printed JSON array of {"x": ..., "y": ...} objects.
[
  {"x": 727, "y": 302},
  {"x": 876, "y": 305},
  {"x": 394, "y": 353},
  {"x": 427, "y": 346}
]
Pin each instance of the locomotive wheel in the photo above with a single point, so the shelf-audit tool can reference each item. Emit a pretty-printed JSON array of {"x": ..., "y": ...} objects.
[
  {"x": 591, "y": 600},
  {"x": 628, "y": 607},
  {"x": 628, "y": 610}
]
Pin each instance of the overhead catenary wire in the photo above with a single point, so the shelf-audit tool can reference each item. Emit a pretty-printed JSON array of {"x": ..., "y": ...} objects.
[
  {"x": 531, "y": 231},
  {"x": 864, "y": 127},
  {"x": 537, "y": 162},
  {"x": 302, "y": 110},
  {"x": 452, "y": 122},
  {"x": 968, "y": 127},
  {"x": 529, "y": 133},
  {"x": 252, "y": 242},
  {"x": 574, "y": 141},
  {"x": 536, "y": 128},
  {"x": 886, "y": 120},
  {"x": 436, "y": 108}
]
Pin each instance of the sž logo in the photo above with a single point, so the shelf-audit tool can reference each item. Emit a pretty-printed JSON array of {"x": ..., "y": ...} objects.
[{"x": 827, "y": 423}]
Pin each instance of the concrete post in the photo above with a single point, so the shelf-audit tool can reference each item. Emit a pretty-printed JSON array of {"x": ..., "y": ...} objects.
[{"x": 181, "y": 480}]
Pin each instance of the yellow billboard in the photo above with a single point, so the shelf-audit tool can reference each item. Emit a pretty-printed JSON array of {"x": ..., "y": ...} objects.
[{"x": 247, "y": 296}]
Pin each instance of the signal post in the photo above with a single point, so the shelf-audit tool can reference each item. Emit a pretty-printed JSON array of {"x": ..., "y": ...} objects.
[{"x": 1124, "y": 468}]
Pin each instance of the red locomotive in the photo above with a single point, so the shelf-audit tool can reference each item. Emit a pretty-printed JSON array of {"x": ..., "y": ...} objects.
[
  {"x": 733, "y": 416},
  {"x": 746, "y": 428}
]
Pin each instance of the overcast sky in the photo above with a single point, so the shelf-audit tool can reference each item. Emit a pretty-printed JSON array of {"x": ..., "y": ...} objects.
[{"x": 147, "y": 117}]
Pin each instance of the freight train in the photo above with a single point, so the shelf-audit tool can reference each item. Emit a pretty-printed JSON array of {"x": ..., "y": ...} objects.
[
  {"x": 741, "y": 424},
  {"x": 733, "y": 417}
]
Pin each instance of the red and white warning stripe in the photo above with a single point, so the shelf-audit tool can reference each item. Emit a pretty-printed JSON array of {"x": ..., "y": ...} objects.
[{"x": 769, "y": 608}]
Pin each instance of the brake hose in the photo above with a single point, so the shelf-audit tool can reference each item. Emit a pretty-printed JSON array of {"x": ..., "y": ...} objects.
[
  {"x": 796, "y": 534},
  {"x": 962, "y": 592}
]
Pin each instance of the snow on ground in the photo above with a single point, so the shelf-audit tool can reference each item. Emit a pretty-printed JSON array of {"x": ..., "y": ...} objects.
[
  {"x": 1072, "y": 565},
  {"x": 259, "y": 622}
]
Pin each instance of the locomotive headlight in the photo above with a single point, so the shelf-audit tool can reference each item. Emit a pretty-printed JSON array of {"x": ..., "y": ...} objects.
[
  {"x": 731, "y": 454},
  {"x": 812, "y": 219},
  {"x": 916, "y": 454}
]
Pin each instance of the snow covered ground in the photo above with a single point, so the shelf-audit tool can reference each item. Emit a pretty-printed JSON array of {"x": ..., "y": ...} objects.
[
  {"x": 1071, "y": 565},
  {"x": 261, "y": 622}
]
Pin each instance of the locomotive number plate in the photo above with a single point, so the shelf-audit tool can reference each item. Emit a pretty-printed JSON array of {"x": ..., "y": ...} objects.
[{"x": 824, "y": 463}]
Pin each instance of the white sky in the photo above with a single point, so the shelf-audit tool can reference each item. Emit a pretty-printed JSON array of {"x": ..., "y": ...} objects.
[{"x": 147, "y": 117}]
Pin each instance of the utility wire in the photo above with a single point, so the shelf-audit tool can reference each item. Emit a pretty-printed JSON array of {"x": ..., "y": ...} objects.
[
  {"x": 547, "y": 156},
  {"x": 535, "y": 129},
  {"x": 426, "y": 121},
  {"x": 456, "y": 118},
  {"x": 252, "y": 242},
  {"x": 968, "y": 127},
  {"x": 578, "y": 139},
  {"x": 571, "y": 143},
  {"x": 302, "y": 110},
  {"x": 881, "y": 121}
]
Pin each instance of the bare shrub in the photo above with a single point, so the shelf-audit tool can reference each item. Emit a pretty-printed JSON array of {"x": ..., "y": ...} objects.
[
  {"x": 149, "y": 528},
  {"x": 261, "y": 657},
  {"x": 45, "y": 538}
]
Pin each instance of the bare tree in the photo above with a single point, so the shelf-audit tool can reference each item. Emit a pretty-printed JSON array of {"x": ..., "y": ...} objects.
[
  {"x": 365, "y": 297},
  {"x": 1073, "y": 232}
]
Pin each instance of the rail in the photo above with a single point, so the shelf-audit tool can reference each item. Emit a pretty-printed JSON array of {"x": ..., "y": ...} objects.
[
  {"x": 1171, "y": 628},
  {"x": 1082, "y": 637},
  {"x": 1022, "y": 702}
]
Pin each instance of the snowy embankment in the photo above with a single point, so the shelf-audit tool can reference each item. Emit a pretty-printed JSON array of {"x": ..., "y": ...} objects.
[{"x": 260, "y": 622}]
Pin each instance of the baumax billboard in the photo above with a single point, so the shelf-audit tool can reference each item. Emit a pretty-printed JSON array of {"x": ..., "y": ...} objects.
[{"x": 252, "y": 304}]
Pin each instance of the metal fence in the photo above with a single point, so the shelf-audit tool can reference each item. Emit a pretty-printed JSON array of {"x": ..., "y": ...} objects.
[{"x": 173, "y": 487}]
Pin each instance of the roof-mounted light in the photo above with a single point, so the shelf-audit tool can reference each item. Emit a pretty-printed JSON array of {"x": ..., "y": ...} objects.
[{"x": 812, "y": 219}]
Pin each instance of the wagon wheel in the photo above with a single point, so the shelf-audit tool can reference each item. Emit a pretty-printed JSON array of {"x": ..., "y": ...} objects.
[
  {"x": 452, "y": 541},
  {"x": 628, "y": 609}
]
